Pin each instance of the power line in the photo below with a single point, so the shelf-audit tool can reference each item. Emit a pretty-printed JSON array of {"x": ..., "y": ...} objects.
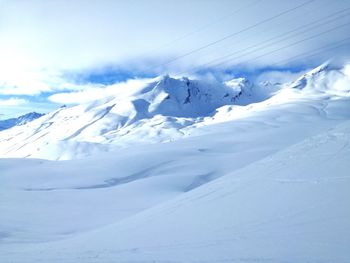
[
  {"x": 297, "y": 42},
  {"x": 267, "y": 43},
  {"x": 200, "y": 29},
  {"x": 240, "y": 42},
  {"x": 239, "y": 32},
  {"x": 286, "y": 46},
  {"x": 315, "y": 52},
  {"x": 313, "y": 36}
]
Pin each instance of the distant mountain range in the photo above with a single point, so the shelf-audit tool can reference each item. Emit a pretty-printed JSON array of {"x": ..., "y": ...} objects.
[{"x": 21, "y": 120}]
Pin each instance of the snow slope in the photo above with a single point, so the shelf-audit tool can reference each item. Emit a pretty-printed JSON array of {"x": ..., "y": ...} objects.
[
  {"x": 289, "y": 207},
  {"x": 267, "y": 181}
]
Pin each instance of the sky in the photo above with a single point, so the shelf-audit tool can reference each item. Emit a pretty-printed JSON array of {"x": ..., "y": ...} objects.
[{"x": 50, "y": 51}]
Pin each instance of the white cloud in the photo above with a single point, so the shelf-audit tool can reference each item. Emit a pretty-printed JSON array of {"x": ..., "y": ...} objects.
[
  {"x": 65, "y": 34},
  {"x": 20, "y": 81},
  {"x": 280, "y": 76},
  {"x": 39, "y": 40},
  {"x": 13, "y": 102},
  {"x": 119, "y": 90},
  {"x": 23, "y": 83}
]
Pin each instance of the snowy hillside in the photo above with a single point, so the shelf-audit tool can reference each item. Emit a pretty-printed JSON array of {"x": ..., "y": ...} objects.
[
  {"x": 157, "y": 204},
  {"x": 258, "y": 175},
  {"x": 21, "y": 120}
]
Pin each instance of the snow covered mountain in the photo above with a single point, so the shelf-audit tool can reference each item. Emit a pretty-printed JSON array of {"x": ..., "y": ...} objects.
[
  {"x": 156, "y": 111},
  {"x": 247, "y": 182},
  {"x": 21, "y": 120},
  {"x": 160, "y": 110}
]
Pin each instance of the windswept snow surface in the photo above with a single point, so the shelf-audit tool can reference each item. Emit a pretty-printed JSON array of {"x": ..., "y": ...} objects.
[
  {"x": 263, "y": 182},
  {"x": 289, "y": 207}
]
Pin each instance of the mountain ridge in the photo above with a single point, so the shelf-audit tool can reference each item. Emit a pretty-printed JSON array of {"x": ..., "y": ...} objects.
[
  {"x": 21, "y": 120},
  {"x": 160, "y": 110}
]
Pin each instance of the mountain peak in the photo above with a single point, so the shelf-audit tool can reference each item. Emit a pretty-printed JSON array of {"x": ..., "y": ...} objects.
[
  {"x": 302, "y": 81},
  {"x": 323, "y": 67},
  {"x": 324, "y": 80}
]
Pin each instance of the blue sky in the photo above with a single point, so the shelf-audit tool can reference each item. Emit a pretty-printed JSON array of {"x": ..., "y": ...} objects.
[{"x": 60, "y": 46}]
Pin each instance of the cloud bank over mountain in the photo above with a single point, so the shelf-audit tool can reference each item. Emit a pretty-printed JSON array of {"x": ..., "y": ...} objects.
[{"x": 56, "y": 46}]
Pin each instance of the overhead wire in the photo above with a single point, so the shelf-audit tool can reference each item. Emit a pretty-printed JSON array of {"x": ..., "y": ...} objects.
[
  {"x": 313, "y": 52},
  {"x": 297, "y": 42},
  {"x": 202, "y": 28},
  {"x": 267, "y": 43},
  {"x": 283, "y": 47},
  {"x": 264, "y": 21}
]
